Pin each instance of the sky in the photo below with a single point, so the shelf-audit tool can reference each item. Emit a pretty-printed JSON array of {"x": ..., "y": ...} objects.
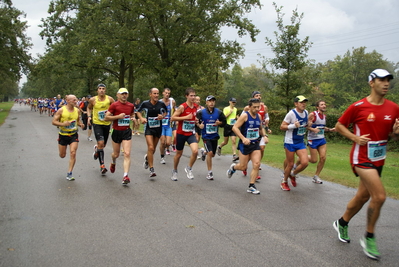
[{"x": 333, "y": 26}]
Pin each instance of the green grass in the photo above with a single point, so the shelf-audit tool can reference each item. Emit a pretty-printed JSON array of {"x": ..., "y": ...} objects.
[
  {"x": 336, "y": 169},
  {"x": 5, "y": 110}
]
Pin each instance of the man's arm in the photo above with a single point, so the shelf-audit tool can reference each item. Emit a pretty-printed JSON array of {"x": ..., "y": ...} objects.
[{"x": 360, "y": 140}]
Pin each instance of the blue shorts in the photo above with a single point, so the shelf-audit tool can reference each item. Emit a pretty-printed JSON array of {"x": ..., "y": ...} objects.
[
  {"x": 248, "y": 149},
  {"x": 315, "y": 144},
  {"x": 294, "y": 147},
  {"x": 182, "y": 139},
  {"x": 166, "y": 131}
]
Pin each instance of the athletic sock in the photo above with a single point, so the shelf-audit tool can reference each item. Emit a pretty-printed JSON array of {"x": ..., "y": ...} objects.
[
  {"x": 100, "y": 153},
  {"x": 342, "y": 222},
  {"x": 369, "y": 235}
]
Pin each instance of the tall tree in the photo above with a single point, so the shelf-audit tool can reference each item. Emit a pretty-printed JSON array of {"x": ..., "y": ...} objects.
[
  {"x": 290, "y": 59},
  {"x": 14, "y": 45}
]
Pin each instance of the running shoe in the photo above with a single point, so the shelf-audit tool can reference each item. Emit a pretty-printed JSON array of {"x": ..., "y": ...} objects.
[
  {"x": 112, "y": 167},
  {"x": 125, "y": 180},
  {"x": 252, "y": 189},
  {"x": 235, "y": 158},
  {"x": 167, "y": 152},
  {"x": 162, "y": 161},
  {"x": 316, "y": 179},
  {"x": 95, "y": 154},
  {"x": 370, "y": 247},
  {"x": 244, "y": 172},
  {"x": 258, "y": 177},
  {"x": 284, "y": 186},
  {"x": 152, "y": 172},
  {"x": 174, "y": 175},
  {"x": 189, "y": 172},
  {"x": 293, "y": 179},
  {"x": 138, "y": 133},
  {"x": 103, "y": 170},
  {"x": 231, "y": 171},
  {"x": 203, "y": 155},
  {"x": 89, "y": 139},
  {"x": 145, "y": 164},
  {"x": 173, "y": 148},
  {"x": 219, "y": 151},
  {"x": 209, "y": 176},
  {"x": 342, "y": 232},
  {"x": 260, "y": 168},
  {"x": 69, "y": 177}
]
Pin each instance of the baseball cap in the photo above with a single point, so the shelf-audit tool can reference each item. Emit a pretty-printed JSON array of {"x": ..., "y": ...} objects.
[
  {"x": 122, "y": 91},
  {"x": 210, "y": 97},
  {"x": 379, "y": 73},
  {"x": 233, "y": 99},
  {"x": 300, "y": 98}
]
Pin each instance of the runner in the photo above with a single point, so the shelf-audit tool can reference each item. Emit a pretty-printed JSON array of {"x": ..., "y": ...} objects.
[
  {"x": 121, "y": 112},
  {"x": 230, "y": 113},
  {"x": 67, "y": 119},
  {"x": 96, "y": 110},
  {"x": 295, "y": 124},
  {"x": 83, "y": 108},
  {"x": 316, "y": 141},
  {"x": 136, "y": 122},
  {"x": 198, "y": 131},
  {"x": 185, "y": 115},
  {"x": 155, "y": 111},
  {"x": 166, "y": 136},
  {"x": 209, "y": 121},
  {"x": 250, "y": 131},
  {"x": 374, "y": 121}
]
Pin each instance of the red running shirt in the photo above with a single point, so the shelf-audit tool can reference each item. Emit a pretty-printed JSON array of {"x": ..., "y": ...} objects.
[
  {"x": 117, "y": 108},
  {"x": 376, "y": 120},
  {"x": 187, "y": 127}
]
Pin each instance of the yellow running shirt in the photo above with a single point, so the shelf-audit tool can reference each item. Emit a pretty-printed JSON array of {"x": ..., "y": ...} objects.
[
  {"x": 99, "y": 110},
  {"x": 73, "y": 118}
]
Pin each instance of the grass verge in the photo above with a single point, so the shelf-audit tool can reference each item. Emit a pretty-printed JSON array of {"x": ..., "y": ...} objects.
[{"x": 5, "y": 108}]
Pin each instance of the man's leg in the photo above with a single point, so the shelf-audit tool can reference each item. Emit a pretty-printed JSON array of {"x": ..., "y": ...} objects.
[
  {"x": 73, "y": 147},
  {"x": 126, "y": 145},
  {"x": 303, "y": 159},
  {"x": 322, "y": 150}
]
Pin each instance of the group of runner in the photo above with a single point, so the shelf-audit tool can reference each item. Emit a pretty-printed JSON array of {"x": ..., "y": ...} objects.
[{"x": 374, "y": 118}]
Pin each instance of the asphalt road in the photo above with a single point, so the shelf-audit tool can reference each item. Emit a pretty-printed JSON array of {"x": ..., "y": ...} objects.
[{"x": 46, "y": 220}]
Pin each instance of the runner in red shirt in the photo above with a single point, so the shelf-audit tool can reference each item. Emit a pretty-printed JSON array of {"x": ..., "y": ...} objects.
[
  {"x": 121, "y": 113},
  {"x": 374, "y": 121},
  {"x": 186, "y": 116}
]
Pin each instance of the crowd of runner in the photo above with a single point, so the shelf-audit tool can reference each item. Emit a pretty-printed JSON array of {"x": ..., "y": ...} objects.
[{"x": 374, "y": 118}]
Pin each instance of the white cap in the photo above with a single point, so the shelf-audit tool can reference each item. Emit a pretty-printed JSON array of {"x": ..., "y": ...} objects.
[{"x": 379, "y": 73}]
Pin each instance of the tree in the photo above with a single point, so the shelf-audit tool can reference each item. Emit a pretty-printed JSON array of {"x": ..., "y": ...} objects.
[
  {"x": 178, "y": 41},
  {"x": 14, "y": 46},
  {"x": 291, "y": 53}
]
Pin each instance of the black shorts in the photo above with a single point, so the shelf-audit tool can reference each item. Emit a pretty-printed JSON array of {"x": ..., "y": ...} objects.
[
  {"x": 210, "y": 145},
  {"x": 156, "y": 132},
  {"x": 65, "y": 140},
  {"x": 366, "y": 165},
  {"x": 118, "y": 136},
  {"x": 182, "y": 139},
  {"x": 101, "y": 132},
  {"x": 228, "y": 131},
  {"x": 248, "y": 149},
  {"x": 198, "y": 130}
]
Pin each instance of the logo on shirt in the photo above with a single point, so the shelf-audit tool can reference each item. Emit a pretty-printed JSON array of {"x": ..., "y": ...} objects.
[
  {"x": 371, "y": 117},
  {"x": 387, "y": 117}
]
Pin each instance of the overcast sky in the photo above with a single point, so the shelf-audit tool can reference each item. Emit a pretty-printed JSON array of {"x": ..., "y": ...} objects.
[{"x": 334, "y": 27}]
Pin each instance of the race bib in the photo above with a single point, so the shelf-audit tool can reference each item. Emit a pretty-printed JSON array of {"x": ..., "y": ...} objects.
[
  {"x": 125, "y": 121},
  {"x": 71, "y": 126},
  {"x": 321, "y": 130},
  {"x": 377, "y": 150},
  {"x": 253, "y": 133},
  {"x": 232, "y": 121},
  {"x": 301, "y": 130},
  {"x": 165, "y": 121},
  {"x": 153, "y": 122},
  {"x": 211, "y": 128},
  {"x": 188, "y": 126},
  {"x": 101, "y": 115}
]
